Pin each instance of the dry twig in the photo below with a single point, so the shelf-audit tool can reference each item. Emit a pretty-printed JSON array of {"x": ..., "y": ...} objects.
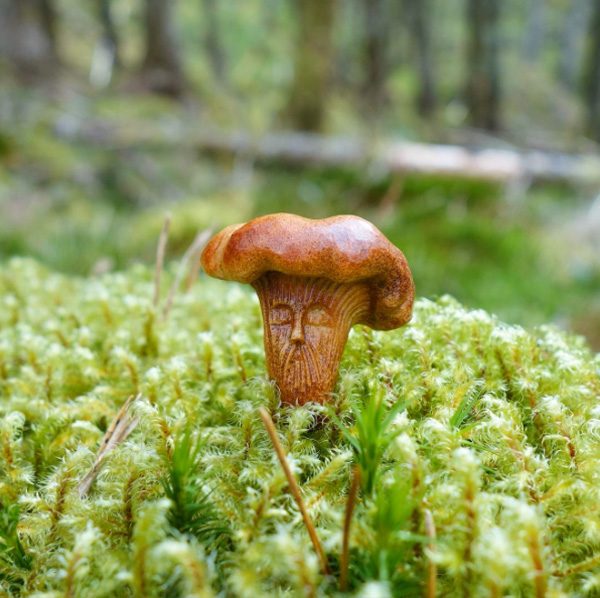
[
  {"x": 160, "y": 257},
  {"x": 194, "y": 269},
  {"x": 294, "y": 489},
  {"x": 193, "y": 250},
  {"x": 120, "y": 428}
]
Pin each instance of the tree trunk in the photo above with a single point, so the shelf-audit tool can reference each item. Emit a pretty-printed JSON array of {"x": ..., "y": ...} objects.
[
  {"x": 212, "y": 40},
  {"x": 482, "y": 90},
  {"x": 571, "y": 36},
  {"x": 28, "y": 34},
  {"x": 312, "y": 64},
  {"x": 162, "y": 71},
  {"x": 591, "y": 75},
  {"x": 110, "y": 37},
  {"x": 535, "y": 30},
  {"x": 5, "y": 15},
  {"x": 375, "y": 54},
  {"x": 419, "y": 19}
]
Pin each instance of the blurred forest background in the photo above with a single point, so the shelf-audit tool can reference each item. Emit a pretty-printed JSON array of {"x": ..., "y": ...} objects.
[{"x": 115, "y": 111}]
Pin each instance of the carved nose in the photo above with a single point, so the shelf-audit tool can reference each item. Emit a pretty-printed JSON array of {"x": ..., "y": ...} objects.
[{"x": 297, "y": 332}]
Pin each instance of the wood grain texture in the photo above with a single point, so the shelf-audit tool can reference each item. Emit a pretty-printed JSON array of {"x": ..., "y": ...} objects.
[
  {"x": 315, "y": 279},
  {"x": 306, "y": 322}
]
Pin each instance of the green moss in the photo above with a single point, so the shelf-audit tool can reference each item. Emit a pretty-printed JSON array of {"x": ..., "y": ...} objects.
[{"x": 498, "y": 438}]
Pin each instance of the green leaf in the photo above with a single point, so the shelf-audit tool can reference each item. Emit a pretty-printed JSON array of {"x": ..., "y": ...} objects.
[{"x": 465, "y": 407}]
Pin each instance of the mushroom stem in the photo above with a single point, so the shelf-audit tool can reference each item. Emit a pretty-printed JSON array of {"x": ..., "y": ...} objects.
[{"x": 306, "y": 323}]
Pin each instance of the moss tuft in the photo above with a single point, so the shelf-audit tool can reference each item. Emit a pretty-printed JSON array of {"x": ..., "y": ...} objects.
[{"x": 492, "y": 429}]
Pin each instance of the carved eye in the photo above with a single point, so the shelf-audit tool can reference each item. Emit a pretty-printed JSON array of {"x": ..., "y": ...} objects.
[
  {"x": 317, "y": 316},
  {"x": 280, "y": 314}
]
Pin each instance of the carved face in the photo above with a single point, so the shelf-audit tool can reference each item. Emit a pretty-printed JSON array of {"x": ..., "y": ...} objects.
[{"x": 306, "y": 324}]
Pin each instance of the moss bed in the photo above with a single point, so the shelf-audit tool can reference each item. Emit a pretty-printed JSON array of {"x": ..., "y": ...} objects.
[{"x": 496, "y": 441}]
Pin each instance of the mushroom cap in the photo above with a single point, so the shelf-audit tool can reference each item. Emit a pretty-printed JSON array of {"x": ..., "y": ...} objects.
[{"x": 345, "y": 249}]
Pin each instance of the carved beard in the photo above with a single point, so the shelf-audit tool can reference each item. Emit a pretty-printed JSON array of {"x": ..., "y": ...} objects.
[
  {"x": 306, "y": 322},
  {"x": 300, "y": 369}
]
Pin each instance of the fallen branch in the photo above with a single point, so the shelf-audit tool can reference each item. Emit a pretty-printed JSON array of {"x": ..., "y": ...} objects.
[
  {"x": 294, "y": 489},
  {"x": 306, "y": 149},
  {"x": 120, "y": 428},
  {"x": 499, "y": 165}
]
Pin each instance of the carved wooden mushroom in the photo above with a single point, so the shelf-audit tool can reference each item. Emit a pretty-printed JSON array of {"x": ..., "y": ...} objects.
[{"x": 315, "y": 279}]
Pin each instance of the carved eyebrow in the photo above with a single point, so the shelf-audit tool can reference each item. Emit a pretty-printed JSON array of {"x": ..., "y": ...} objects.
[
  {"x": 280, "y": 304},
  {"x": 314, "y": 307},
  {"x": 318, "y": 315},
  {"x": 318, "y": 306}
]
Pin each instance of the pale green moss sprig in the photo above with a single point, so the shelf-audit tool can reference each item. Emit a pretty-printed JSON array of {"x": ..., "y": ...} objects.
[
  {"x": 192, "y": 510},
  {"x": 15, "y": 562},
  {"x": 372, "y": 433},
  {"x": 495, "y": 433}
]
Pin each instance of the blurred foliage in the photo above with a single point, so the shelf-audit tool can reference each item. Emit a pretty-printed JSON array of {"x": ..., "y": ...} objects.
[
  {"x": 80, "y": 206},
  {"x": 73, "y": 197},
  {"x": 257, "y": 40}
]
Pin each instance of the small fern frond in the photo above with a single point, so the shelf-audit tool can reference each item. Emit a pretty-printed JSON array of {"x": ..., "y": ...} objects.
[{"x": 193, "y": 510}]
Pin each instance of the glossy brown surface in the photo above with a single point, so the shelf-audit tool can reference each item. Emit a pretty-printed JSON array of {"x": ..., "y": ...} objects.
[{"x": 315, "y": 279}]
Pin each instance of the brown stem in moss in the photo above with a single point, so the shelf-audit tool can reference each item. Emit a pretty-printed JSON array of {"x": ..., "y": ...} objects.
[
  {"x": 538, "y": 563},
  {"x": 188, "y": 257},
  {"x": 294, "y": 489},
  {"x": 306, "y": 323},
  {"x": 469, "y": 498},
  {"x": 350, "y": 504},
  {"x": 123, "y": 424},
  {"x": 580, "y": 567},
  {"x": 58, "y": 509},
  {"x": 430, "y": 588},
  {"x": 160, "y": 258},
  {"x": 128, "y": 504}
]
